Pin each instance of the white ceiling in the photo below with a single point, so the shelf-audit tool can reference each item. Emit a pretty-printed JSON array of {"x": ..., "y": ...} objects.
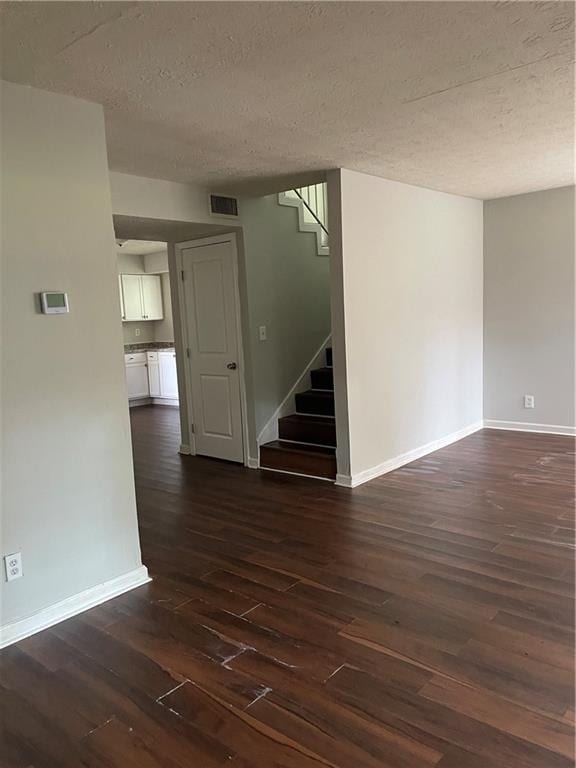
[
  {"x": 475, "y": 98},
  {"x": 140, "y": 247},
  {"x": 133, "y": 228}
]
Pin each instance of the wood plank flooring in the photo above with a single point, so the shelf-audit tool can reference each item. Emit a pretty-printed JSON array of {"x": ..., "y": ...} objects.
[{"x": 423, "y": 619}]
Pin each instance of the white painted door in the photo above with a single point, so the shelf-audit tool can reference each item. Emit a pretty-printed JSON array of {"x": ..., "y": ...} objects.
[
  {"x": 132, "y": 292},
  {"x": 168, "y": 378},
  {"x": 152, "y": 297},
  {"x": 213, "y": 338}
]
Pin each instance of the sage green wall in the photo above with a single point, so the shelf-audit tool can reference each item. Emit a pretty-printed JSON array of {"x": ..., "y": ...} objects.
[
  {"x": 288, "y": 291},
  {"x": 68, "y": 501}
]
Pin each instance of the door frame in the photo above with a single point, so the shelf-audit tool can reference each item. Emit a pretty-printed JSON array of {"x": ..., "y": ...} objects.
[{"x": 179, "y": 249}]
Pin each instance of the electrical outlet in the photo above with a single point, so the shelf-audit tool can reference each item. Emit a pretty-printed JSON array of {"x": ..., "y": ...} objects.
[
  {"x": 528, "y": 401},
  {"x": 136, "y": 331},
  {"x": 13, "y": 565},
  {"x": 262, "y": 335}
]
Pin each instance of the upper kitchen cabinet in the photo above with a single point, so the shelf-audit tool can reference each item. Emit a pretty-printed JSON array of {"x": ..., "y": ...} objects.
[
  {"x": 141, "y": 297},
  {"x": 152, "y": 297},
  {"x": 131, "y": 286}
]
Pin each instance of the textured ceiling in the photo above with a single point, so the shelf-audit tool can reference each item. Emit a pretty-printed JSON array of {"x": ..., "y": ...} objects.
[{"x": 475, "y": 98}]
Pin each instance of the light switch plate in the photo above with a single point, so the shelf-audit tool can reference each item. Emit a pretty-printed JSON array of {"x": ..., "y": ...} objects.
[{"x": 262, "y": 334}]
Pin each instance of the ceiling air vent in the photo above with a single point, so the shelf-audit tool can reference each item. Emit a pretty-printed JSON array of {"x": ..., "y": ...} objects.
[{"x": 223, "y": 206}]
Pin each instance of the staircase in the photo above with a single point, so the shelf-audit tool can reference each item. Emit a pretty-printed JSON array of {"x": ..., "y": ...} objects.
[
  {"x": 306, "y": 442},
  {"x": 312, "y": 205}
]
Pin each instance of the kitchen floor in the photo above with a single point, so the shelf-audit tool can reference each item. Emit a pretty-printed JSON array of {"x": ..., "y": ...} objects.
[{"x": 422, "y": 619}]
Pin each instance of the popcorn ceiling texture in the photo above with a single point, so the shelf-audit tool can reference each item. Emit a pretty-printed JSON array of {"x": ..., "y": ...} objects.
[{"x": 474, "y": 98}]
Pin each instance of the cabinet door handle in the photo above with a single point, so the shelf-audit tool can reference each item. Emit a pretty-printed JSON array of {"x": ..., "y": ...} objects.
[{"x": 232, "y": 366}]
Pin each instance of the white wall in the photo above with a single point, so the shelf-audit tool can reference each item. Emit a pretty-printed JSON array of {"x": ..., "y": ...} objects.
[
  {"x": 411, "y": 276},
  {"x": 130, "y": 264},
  {"x": 164, "y": 329},
  {"x": 68, "y": 501},
  {"x": 158, "y": 199},
  {"x": 156, "y": 263},
  {"x": 529, "y": 309}
]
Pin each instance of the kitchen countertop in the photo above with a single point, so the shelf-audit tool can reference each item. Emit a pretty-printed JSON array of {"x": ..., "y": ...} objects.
[{"x": 148, "y": 346}]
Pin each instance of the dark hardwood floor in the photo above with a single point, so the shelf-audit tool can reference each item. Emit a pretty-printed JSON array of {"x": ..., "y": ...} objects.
[{"x": 423, "y": 619}]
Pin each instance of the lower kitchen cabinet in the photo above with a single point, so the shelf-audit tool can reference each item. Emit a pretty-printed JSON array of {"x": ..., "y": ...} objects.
[
  {"x": 136, "y": 375},
  {"x": 168, "y": 378},
  {"x": 152, "y": 375}
]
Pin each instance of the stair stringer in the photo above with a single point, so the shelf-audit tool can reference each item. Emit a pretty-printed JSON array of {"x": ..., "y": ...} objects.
[
  {"x": 303, "y": 225},
  {"x": 270, "y": 430}
]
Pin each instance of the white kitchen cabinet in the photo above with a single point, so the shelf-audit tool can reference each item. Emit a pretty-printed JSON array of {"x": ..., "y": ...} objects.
[
  {"x": 132, "y": 295},
  {"x": 152, "y": 297},
  {"x": 136, "y": 375},
  {"x": 141, "y": 297},
  {"x": 168, "y": 377},
  {"x": 153, "y": 374}
]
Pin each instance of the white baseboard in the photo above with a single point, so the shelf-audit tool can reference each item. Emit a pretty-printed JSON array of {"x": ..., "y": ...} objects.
[
  {"x": 351, "y": 481},
  {"x": 252, "y": 463},
  {"x": 521, "y": 426},
  {"x": 171, "y": 401},
  {"x": 71, "y": 606},
  {"x": 185, "y": 449}
]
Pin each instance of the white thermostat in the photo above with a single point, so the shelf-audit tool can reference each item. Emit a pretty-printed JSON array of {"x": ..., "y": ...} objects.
[{"x": 54, "y": 302}]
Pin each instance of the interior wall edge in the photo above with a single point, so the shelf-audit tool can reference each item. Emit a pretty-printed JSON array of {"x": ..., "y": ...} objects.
[{"x": 47, "y": 617}]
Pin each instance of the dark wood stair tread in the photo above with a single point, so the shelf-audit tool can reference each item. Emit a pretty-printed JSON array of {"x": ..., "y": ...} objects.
[
  {"x": 302, "y": 458},
  {"x": 307, "y": 438},
  {"x": 317, "y": 402},
  {"x": 288, "y": 445},
  {"x": 308, "y": 428},
  {"x": 309, "y": 418},
  {"x": 322, "y": 378}
]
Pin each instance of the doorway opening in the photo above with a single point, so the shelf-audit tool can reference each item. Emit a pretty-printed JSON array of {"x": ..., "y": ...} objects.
[
  {"x": 182, "y": 332},
  {"x": 147, "y": 323}
]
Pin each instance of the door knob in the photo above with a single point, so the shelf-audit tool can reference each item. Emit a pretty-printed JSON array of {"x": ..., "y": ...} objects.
[{"x": 232, "y": 366}]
